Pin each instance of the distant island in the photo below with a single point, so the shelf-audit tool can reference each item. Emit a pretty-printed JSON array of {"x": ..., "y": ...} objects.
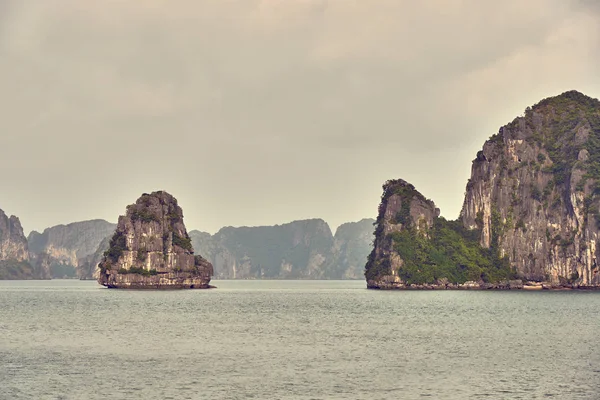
[
  {"x": 68, "y": 246},
  {"x": 530, "y": 217},
  {"x": 303, "y": 249},
  {"x": 16, "y": 261}
]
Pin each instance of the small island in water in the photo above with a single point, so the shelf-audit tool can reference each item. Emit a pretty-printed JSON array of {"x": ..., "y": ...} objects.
[
  {"x": 530, "y": 217},
  {"x": 151, "y": 249}
]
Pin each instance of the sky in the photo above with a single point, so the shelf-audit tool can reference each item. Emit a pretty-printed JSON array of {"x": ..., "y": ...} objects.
[{"x": 261, "y": 112}]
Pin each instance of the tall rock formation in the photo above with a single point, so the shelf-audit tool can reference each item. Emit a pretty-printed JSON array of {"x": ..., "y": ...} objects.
[
  {"x": 531, "y": 211},
  {"x": 15, "y": 260},
  {"x": 151, "y": 249},
  {"x": 69, "y": 245},
  {"x": 534, "y": 189},
  {"x": 13, "y": 244},
  {"x": 402, "y": 209}
]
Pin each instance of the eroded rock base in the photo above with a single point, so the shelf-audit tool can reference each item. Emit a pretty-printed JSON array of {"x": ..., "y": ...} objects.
[
  {"x": 502, "y": 285},
  {"x": 170, "y": 281}
]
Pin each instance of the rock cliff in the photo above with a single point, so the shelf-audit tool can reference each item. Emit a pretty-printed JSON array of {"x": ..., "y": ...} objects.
[
  {"x": 13, "y": 244},
  {"x": 16, "y": 262},
  {"x": 297, "y": 250},
  {"x": 151, "y": 249},
  {"x": 352, "y": 243},
  {"x": 68, "y": 246},
  {"x": 534, "y": 189},
  {"x": 530, "y": 216},
  {"x": 402, "y": 209}
]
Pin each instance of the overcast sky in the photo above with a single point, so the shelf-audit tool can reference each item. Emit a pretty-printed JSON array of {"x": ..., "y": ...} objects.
[{"x": 260, "y": 112}]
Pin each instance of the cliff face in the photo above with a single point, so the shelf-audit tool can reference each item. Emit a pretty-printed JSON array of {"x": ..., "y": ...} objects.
[
  {"x": 402, "y": 209},
  {"x": 352, "y": 243},
  {"x": 534, "y": 191},
  {"x": 15, "y": 260},
  {"x": 297, "y": 250},
  {"x": 151, "y": 249},
  {"x": 69, "y": 245},
  {"x": 530, "y": 216},
  {"x": 87, "y": 267},
  {"x": 13, "y": 244}
]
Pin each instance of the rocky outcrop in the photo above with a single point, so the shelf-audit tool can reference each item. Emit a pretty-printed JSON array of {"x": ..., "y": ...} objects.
[
  {"x": 151, "y": 249},
  {"x": 70, "y": 245},
  {"x": 13, "y": 244},
  {"x": 297, "y": 250},
  {"x": 16, "y": 262},
  {"x": 402, "y": 207},
  {"x": 530, "y": 217},
  {"x": 534, "y": 191}
]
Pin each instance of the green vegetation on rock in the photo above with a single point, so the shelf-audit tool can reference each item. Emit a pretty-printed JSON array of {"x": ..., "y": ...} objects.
[
  {"x": 531, "y": 209},
  {"x": 183, "y": 242},
  {"x": 118, "y": 245},
  {"x": 566, "y": 113},
  {"x": 451, "y": 252},
  {"x": 432, "y": 249},
  {"x": 144, "y": 215}
]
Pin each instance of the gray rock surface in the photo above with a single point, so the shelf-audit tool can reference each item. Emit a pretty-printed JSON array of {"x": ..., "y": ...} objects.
[
  {"x": 13, "y": 244},
  {"x": 16, "y": 262},
  {"x": 537, "y": 180}
]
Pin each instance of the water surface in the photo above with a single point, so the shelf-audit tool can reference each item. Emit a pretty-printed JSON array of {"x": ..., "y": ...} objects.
[{"x": 68, "y": 339}]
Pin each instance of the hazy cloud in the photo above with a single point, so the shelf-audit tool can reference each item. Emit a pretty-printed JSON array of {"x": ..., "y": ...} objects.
[{"x": 263, "y": 111}]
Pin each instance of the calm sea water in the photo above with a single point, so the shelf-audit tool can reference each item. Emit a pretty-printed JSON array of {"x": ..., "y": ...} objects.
[{"x": 295, "y": 340}]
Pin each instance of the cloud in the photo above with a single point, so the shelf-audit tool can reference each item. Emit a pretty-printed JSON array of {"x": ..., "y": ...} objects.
[{"x": 241, "y": 88}]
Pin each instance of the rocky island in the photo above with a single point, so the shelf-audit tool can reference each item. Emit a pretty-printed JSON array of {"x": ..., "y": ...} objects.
[
  {"x": 151, "y": 249},
  {"x": 530, "y": 217}
]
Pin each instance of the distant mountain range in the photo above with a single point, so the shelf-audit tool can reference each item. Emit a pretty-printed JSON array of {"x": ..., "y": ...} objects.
[
  {"x": 297, "y": 250},
  {"x": 68, "y": 245},
  {"x": 304, "y": 249}
]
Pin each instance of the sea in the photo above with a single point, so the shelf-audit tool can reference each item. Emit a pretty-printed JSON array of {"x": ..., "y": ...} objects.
[{"x": 301, "y": 340}]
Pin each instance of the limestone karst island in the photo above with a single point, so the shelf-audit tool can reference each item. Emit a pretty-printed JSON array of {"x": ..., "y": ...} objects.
[
  {"x": 530, "y": 220},
  {"x": 151, "y": 249},
  {"x": 530, "y": 217}
]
